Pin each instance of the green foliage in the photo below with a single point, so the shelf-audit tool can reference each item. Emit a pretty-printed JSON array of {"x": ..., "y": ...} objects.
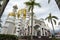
[
  {"x": 50, "y": 18},
  {"x": 55, "y": 38},
  {"x": 54, "y": 21},
  {"x": 31, "y": 4},
  {"x": 8, "y": 37}
]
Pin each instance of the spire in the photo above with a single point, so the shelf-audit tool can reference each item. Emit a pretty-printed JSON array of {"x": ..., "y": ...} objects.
[
  {"x": 15, "y": 8},
  {"x": 13, "y": 12}
]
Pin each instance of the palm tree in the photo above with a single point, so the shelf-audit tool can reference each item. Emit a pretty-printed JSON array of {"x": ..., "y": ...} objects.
[
  {"x": 31, "y": 5},
  {"x": 52, "y": 19}
]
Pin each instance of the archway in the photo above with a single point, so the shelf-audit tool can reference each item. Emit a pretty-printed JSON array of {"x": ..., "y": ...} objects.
[{"x": 36, "y": 27}]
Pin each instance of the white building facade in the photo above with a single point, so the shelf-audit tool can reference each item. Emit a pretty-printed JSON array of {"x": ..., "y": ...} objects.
[{"x": 19, "y": 23}]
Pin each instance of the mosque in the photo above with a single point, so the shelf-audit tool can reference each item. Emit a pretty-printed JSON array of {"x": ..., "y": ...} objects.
[{"x": 18, "y": 23}]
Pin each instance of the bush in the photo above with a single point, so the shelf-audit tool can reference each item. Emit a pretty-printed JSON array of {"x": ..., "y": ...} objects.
[
  {"x": 55, "y": 38},
  {"x": 8, "y": 37}
]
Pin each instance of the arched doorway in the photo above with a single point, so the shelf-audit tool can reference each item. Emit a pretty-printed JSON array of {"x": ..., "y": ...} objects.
[
  {"x": 36, "y": 27},
  {"x": 39, "y": 34}
]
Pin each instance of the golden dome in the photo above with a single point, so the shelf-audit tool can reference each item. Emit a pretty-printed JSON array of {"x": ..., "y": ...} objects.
[
  {"x": 12, "y": 14},
  {"x": 22, "y": 11},
  {"x": 19, "y": 13}
]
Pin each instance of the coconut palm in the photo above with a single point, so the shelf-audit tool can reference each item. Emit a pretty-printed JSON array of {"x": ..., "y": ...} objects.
[
  {"x": 52, "y": 19},
  {"x": 31, "y": 5}
]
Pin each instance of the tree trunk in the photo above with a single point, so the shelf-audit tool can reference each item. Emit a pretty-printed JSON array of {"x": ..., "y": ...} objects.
[
  {"x": 31, "y": 22},
  {"x": 53, "y": 28}
]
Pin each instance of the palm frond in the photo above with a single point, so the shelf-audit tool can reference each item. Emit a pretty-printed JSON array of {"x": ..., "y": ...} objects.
[
  {"x": 54, "y": 21},
  {"x": 37, "y": 4},
  {"x": 49, "y": 20},
  {"x": 46, "y": 18},
  {"x": 28, "y": 3},
  {"x": 48, "y": 1},
  {"x": 29, "y": 8},
  {"x": 54, "y": 17}
]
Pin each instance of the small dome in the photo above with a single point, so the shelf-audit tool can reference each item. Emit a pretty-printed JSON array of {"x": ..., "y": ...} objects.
[
  {"x": 11, "y": 14},
  {"x": 15, "y": 6}
]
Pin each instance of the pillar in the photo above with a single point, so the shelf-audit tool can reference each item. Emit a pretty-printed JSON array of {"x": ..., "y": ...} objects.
[
  {"x": 44, "y": 32},
  {"x": 41, "y": 32}
]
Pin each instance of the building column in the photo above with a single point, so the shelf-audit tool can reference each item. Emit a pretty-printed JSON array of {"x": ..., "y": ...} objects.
[
  {"x": 35, "y": 33},
  {"x": 41, "y": 32},
  {"x": 44, "y": 32}
]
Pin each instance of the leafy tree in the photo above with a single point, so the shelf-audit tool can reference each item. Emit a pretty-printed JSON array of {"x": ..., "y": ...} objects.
[{"x": 8, "y": 37}]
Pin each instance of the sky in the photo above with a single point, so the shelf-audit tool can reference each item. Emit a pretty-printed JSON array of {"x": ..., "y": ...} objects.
[{"x": 41, "y": 12}]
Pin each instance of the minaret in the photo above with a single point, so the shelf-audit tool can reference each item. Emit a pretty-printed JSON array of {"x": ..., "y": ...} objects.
[
  {"x": 9, "y": 26},
  {"x": 23, "y": 22},
  {"x": 20, "y": 24}
]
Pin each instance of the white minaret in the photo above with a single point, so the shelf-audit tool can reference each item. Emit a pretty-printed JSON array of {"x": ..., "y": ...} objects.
[
  {"x": 20, "y": 25},
  {"x": 9, "y": 26}
]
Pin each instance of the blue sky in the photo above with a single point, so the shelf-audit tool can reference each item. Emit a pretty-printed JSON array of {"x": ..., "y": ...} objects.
[{"x": 39, "y": 12}]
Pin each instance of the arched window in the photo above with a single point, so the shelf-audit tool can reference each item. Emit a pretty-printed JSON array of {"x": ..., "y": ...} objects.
[{"x": 36, "y": 26}]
